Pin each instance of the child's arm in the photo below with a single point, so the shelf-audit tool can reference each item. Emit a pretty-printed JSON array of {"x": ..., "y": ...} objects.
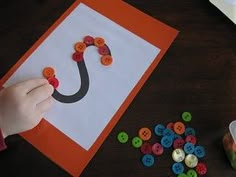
[{"x": 23, "y": 105}]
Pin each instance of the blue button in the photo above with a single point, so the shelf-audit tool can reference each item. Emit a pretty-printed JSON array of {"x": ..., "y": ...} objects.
[
  {"x": 168, "y": 132},
  {"x": 177, "y": 168},
  {"x": 189, "y": 131},
  {"x": 166, "y": 141},
  {"x": 176, "y": 136},
  {"x": 199, "y": 151},
  {"x": 148, "y": 160},
  {"x": 159, "y": 128},
  {"x": 189, "y": 148}
]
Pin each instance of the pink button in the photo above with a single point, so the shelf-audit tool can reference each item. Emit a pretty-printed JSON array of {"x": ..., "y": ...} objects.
[
  {"x": 103, "y": 50},
  {"x": 191, "y": 139},
  {"x": 178, "y": 143},
  {"x": 201, "y": 168},
  {"x": 88, "y": 40},
  {"x": 77, "y": 56},
  {"x": 170, "y": 125},
  {"x": 146, "y": 148},
  {"x": 157, "y": 149}
]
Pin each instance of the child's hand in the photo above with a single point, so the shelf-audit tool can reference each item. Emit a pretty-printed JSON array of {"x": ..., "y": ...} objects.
[{"x": 23, "y": 105}]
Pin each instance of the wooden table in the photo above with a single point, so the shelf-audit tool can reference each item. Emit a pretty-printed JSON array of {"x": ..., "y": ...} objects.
[{"x": 197, "y": 74}]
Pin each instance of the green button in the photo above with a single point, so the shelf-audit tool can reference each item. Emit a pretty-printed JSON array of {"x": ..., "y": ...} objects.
[
  {"x": 182, "y": 175},
  {"x": 137, "y": 142},
  {"x": 191, "y": 173},
  {"x": 122, "y": 137},
  {"x": 186, "y": 116}
]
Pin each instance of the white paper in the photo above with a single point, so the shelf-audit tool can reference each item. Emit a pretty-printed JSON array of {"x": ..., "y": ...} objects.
[
  {"x": 84, "y": 120},
  {"x": 232, "y": 2}
]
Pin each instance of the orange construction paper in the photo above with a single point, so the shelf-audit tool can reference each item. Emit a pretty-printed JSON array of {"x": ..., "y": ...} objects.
[{"x": 53, "y": 143}]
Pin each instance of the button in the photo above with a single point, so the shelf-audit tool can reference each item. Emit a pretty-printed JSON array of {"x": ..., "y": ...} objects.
[
  {"x": 189, "y": 148},
  {"x": 48, "y": 72},
  {"x": 191, "y": 173},
  {"x": 157, "y": 149},
  {"x": 178, "y": 155},
  {"x": 148, "y": 160},
  {"x": 146, "y": 148},
  {"x": 106, "y": 60},
  {"x": 179, "y": 128},
  {"x": 168, "y": 132},
  {"x": 177, "y": 168},
  {"x": 99, "y": 42},
  {"x": 103, "y": 50},
  {"x": 145, "y": 133},
  {"x": 122, "y": 137},
  {"x": 201, "y": 169},
  {"x": 177, "y": 136},
  {"x": 186, "y": 116},
  {"x": 54, "y": 82},
  {"x": 189, "y": 131},
  {"x": 88, "y": 40},
  {"x": 199, "y": 151},
  {"x": 159, "y": 128},
  {"x": 80, "y": 47},
  {"x": 192, "y": 139},
  {"x": 191, "y": 161},
  {"x": 137, "y": 142},
  {"x": 182, "y": 175},
  {"x": 166, "y": 141},
  {"x": 78, "y": 56},
  {"x": 170, "y": 125},
  {"x": 178, "y": 143}
]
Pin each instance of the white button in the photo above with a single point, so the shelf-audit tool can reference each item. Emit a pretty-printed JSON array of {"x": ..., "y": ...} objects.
[
  {"x": 178, "y": 155},
  {"x": 191, "y": 161}
]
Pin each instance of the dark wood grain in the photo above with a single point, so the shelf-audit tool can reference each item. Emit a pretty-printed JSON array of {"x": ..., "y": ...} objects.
[{"x": 197, "y": 74}]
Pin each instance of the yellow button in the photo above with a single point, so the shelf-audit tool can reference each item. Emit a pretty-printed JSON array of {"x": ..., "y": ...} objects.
[
  {"x": 99, "y": 42},
  {"x": 48, "y": 72},
  {"x": 80, "y": 47},
  {"x": 191, "y": 161},
  {"x": 145, "y": 133},
  {"x": 106, "y": 60},
  {"x": 179, "y": 128},
  {"x": 178, "y": 155}
]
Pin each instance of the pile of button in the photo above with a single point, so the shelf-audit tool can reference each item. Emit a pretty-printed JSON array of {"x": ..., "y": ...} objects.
[
  {"x": 99, "y": 42},
  {"x": 174, "y": 135},
  {"x": 78, "y": 56}
]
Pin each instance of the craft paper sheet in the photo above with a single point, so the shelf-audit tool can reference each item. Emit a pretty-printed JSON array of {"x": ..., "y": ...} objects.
[
  {"x": 71, "y": 133},
  {"x": 83, "y": 121}
]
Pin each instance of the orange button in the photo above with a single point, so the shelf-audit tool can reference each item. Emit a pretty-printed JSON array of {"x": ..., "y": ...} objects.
[
  {"x": 48, "y": 72},
  {"x": 99, "y": 42},
  {"x": 80, "y": 47},
  {"x": 179, "y": 128},
  {"x": 145, "y": 133},
  {"x": 106, "y": 60}
]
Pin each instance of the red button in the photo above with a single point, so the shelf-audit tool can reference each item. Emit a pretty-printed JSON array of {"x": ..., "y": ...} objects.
[
  {"x": 178, "y": 143},
  {"x": 54, "y": 82},
  {"x": 201, "y": 168},
  {"x": 88, "y": 40},
  {"x": 103, "y": 50},
  {"x": 157, "y": 149},
  {"x": 146, "y": 148},
  {"x": 191, "y": 139},
  {"x": 78, "y": 56},
  {"x": 170, "y": 125}
]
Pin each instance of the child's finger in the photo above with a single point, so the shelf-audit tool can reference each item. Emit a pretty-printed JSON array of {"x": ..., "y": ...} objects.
[
  {"x": 31, "y": 84},
  {"x": 40, "y": 93},
  {"x": 44, "y": 105}
]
